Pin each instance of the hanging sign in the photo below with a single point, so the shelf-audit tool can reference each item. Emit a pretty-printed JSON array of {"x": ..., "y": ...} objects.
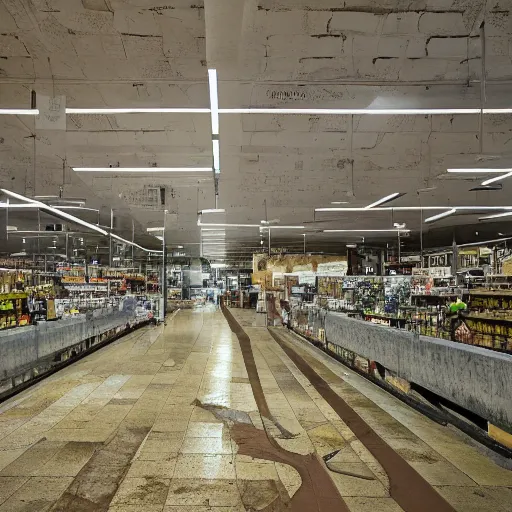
[
  {"x": 438, "y": 260},
  {"x": 333, "y": 267},
  {"x": 52, "y": 112},
  {"x": 306, "y": 277}
]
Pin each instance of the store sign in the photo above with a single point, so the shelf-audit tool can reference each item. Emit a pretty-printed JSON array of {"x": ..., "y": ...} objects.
[
  {"x": 411, "y": 259},
  {"x": 86, "y": 288},
  {"x": 73, "y": 279},
  {"x": 440, "y": 271},
  {"x": 306, "y": 277},
  {"x": 438, "y": 260},
  {"x": 333, "y": 267}
]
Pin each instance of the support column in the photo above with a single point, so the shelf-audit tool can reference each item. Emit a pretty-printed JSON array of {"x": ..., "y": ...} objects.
[{"x": 164, "y": 268}]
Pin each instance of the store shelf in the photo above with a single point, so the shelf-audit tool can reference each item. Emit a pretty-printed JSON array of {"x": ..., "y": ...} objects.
[
  {"x": 12, "y": 296},
  {"x": 487, "y": 318},
  {"x": 491, "y": 292}
]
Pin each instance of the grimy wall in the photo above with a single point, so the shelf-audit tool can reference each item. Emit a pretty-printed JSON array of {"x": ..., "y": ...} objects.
[{"x": 475, "y": 378}]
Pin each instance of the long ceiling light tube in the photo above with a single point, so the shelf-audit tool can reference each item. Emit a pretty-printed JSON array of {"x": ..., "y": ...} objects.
[
  {"x": 298, "y": 111},
  {"x": 477, "y": 170},
  {"x": 214, "y": 114},
  {"x": 199, "y": 223},
  {"x": 214, "y": 100},
  {"x": 367, "y": 230},
  {"x": 486, "y": 242},
  {"x": 216, "y": 155},
  {"x": 354, "y": 111},
  {"x": 65, "y": 207},
  {"x": 19, "y": 111},
  {"x": 128, "y": 242},
  {"x": 440, "y": 216},
  {"x": 281, "y": 227},
  {"x": 69, "y": 217},
  {"x": 385, "y": 199},
  {"x": 412, "y": 208},
  {"x": 137, "y": 110},
  {"x": 15, "y": 205},
  {"x": 142, "y": 169},
  {"x": 213, "y": 210},
  {"x": 497, "y": 178},
  {"x": 496, "y": 216},
  {"x": 55, "y": 211},
  {"x": 497, "y": 110}
]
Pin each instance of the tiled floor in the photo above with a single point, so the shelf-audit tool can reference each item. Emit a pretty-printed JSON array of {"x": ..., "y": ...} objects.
[{"x": 123, "y": 430}]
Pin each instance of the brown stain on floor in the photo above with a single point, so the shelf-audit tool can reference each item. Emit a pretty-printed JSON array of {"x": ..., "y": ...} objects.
[
  {"x": 317, "y": 492},
  {"x": 407, "y": 487}
]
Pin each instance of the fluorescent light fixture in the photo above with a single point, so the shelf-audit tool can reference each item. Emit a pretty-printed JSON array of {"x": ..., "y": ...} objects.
[
  {"x": 377, "y": 209},
  {"x": 213, "y": 229},
  {"x": 353, "y": 111},
  {"x": 496, "y": 216},
  {"x": 281, "y": 227},
  {"x": 218, "y": 265},
  {"x": 154, "y": 230},
  {"x": 305, "y": 111},
  {"x": 440, "y": 215},
  {"x": 213, "y": 210},
  {"x": 55, "y": 211},
  {"x": 486, "y": 242},
  {"x": 365, "y": 230},
  {"x": 478, "y": 171},
  {"x": 19, "y": 112},
  {"x": 497, "y": 178},
  {"x": 216, "y": 155},
  {"x": 497, "y": 110},
  {"x": 140, "y": 110},
  {"x": 180, "y": 246},
  {"x": 16, "y": 205},
  {"x": 214, "y": 100},
  {"x": 339, "y": 202},
  {"x": 199, "y": 223},
  {"x": 128, "y": 242},
  {"x": 71, "y": 218},
  {"x": 385, "y": 199},
  {"x": 412, "y": 208},
  {"x": 141, "y": 169},
  {"x": 159, "y": 237},
  {"x": 74, "y": 208}
]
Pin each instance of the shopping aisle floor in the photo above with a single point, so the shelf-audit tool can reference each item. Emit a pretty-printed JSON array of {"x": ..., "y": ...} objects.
[{"x": 158, "y": 421}]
